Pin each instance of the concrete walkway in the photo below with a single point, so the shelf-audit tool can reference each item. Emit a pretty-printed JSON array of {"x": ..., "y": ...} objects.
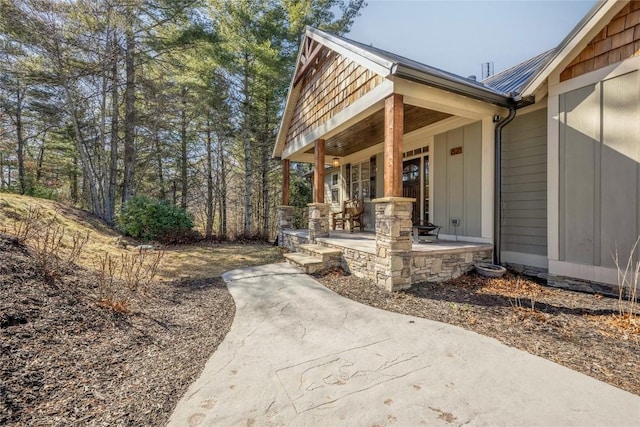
[{"x": 300, "y": 355}]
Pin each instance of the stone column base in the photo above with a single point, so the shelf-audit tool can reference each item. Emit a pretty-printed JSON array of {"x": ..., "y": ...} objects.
[
  {"x": 393, "y": 242},
  {"x": 285, "y": 222},
  {"x": 318, "y": 220}
]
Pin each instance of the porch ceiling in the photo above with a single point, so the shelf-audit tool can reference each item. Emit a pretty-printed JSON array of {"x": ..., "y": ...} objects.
[{"x": 370, "y": 131}]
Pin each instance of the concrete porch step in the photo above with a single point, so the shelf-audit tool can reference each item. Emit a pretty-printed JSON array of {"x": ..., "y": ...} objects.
[
  {"x": 308, "y": 264},
  {"x": 326, "y": 254}
]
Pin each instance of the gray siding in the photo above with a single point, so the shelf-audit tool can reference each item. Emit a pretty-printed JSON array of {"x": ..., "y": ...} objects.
[
  {"x": 524, "y": 184},
  {"x": 457, "y": 190},
  {"x": 599, "y": 171}
]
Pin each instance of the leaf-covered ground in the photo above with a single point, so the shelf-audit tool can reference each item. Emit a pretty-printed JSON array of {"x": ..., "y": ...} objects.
[{"x": 67, "y": 360}]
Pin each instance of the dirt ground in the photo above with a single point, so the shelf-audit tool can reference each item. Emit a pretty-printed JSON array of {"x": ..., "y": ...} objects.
[
  {"x": 66, "y": 360},
  {"x": 580, "y": 331}
]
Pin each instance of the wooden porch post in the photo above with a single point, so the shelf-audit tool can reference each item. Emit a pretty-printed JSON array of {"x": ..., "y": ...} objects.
[
  {"x": 286, "y": 181},
  {"x": 318, "y": 173},
  {"x": 393, "y": 131}
]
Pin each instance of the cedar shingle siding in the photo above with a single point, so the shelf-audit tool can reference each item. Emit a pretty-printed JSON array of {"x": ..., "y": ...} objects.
[
  {"x": 618, "y": 41},
  {"x": 333, "y": 85}
]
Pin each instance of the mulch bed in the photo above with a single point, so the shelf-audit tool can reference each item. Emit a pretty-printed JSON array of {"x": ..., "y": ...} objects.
[
  {"x": 580, "y": 331},
  {"x": 66, "y": 360}
]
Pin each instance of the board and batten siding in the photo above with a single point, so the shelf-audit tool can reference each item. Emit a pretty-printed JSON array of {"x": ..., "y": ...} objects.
[
  {"x": 457, "y": 191},
  {"x": 599, "y": 153},
  {"x": 524, "y": 184}
]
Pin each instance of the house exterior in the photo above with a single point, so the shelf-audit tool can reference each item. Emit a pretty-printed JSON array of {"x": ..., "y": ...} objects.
[{"x": 539, "y": 161}]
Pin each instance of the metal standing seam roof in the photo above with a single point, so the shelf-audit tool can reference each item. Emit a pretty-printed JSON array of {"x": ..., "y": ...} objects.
[
  {"x": 413, "y": 70},
  {"x": 504, "y": 85},
  {"x": 513, "y": 80}
]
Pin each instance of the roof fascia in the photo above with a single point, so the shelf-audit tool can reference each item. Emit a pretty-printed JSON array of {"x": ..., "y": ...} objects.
[
  {"x": 450, "y": 85},
  {"x": 575, "y": 41},
  {"x": 375, "y": 63}
]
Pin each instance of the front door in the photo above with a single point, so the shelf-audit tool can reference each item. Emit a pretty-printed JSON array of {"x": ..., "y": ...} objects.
[{"x": 411, "y": 185}]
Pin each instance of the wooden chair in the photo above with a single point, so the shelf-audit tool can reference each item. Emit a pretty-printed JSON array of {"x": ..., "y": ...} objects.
[
  {"x": 424, "y": 231},
  {"x": 356, "y": 214},
  {"x": 339, "y": 218}
]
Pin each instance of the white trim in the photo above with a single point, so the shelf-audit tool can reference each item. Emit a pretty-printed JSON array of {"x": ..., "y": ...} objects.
[
  {"x": 580, "y": 37},
  {"x": 487, "y": 173},
  {"x": 553, "y": 173},
  {"x": 363, "y": 107},
  {"x": 539, "y": 105},
  {"x": 520, "y": 258},
  {"x": 452, "y": 237},
  {"x": 627, "y": 66},
  {"x": 380, "y": 66},
  {"x": 436, "y": 128},
  {"x": 436, "y": 99},
  {"x": 591, "y": 273}
]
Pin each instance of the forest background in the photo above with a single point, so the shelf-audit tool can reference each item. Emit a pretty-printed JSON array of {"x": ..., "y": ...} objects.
[{"x": 178, "y": 100}]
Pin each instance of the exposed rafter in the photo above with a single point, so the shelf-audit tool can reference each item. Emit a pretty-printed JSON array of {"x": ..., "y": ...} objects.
[{"x": 310, "y": 55}]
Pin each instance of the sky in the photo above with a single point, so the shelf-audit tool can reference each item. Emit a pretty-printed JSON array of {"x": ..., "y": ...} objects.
[{"x": 459, "y": 36}]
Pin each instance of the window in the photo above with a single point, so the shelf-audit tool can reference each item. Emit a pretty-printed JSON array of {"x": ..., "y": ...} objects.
[
  {"x": 425, "y": 193},
  {"x": 334, "y": 188},
  {"x": 360, "y": 181},
  {"x": 411, "y": 173}
]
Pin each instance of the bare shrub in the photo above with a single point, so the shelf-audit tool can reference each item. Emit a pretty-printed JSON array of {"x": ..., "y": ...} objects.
[
  {"x": 47, "y": 245},
  {"x": 106, "y": 267},
  {"x": 30, "y": 224},
  {"x": 628, "y": 282},
  {"x": 47, "y": 238},
  {"x": 138, "y": 270},
  {"x": 118, "y": 278}
]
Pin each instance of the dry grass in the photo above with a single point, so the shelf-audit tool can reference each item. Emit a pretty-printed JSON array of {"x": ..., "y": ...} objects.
[
  {"x": 179, "y": 262},
  {"x": 14, "y": 209}
]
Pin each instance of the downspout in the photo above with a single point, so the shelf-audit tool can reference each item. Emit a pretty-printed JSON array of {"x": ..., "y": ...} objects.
[{"x": 497, "y": 207}]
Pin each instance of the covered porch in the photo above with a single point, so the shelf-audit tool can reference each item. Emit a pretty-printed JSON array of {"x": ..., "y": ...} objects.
[{"x": 412, "y": 143}]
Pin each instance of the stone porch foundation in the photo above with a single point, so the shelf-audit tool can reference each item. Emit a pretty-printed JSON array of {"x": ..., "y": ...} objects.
[{"x": 424, "y": 266}]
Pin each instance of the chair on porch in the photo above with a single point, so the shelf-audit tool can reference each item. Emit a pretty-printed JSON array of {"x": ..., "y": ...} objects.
[
  {"x": 338, "y": 219},
  {"x": 424, "y": 231},
  {"x": 356, "y": 214}
]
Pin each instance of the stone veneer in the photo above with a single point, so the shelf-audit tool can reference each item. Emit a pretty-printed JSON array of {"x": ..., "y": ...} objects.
[
  {"x": 285, "y": 222},
  {"x": 393, "y": 242},
  {"x": 318, "y": 220},
  {"x": 438, "y": 266},
  {"x": 431, "y": 266}
]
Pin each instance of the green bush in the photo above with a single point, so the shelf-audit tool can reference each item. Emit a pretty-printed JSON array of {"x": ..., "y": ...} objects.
[{"x": 150, "y": 219}]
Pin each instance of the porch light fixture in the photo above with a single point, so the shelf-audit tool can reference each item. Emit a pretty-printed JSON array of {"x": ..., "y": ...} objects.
[{"x": 336, "y": 162}]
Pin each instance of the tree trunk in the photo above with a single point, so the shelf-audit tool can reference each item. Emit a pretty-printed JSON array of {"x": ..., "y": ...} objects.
[
  {"x": 40, "y": 159},
  {"x": 208, "y": 229},
  {"x": 265, "y": 173},
  {"x": 246, "y": 141},
  {"x": 113, "y": 153},
  {"x": 130, "y": 116},
  {"x": 163, "y": 189},
  {"x": 20, "y": 138},
  {"x": 2, "y": 171},
  {"x": 183, "y": 150},
  {"x": 74, "y": 181},
  {"x": 222, "y": 182}
]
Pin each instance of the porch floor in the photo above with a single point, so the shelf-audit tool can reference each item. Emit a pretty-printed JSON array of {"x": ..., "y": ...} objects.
[{"x": 365, "y": 241}]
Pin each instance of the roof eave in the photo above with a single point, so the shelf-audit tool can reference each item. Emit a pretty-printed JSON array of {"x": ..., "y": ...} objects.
[{"x": 453, "y": 86}]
